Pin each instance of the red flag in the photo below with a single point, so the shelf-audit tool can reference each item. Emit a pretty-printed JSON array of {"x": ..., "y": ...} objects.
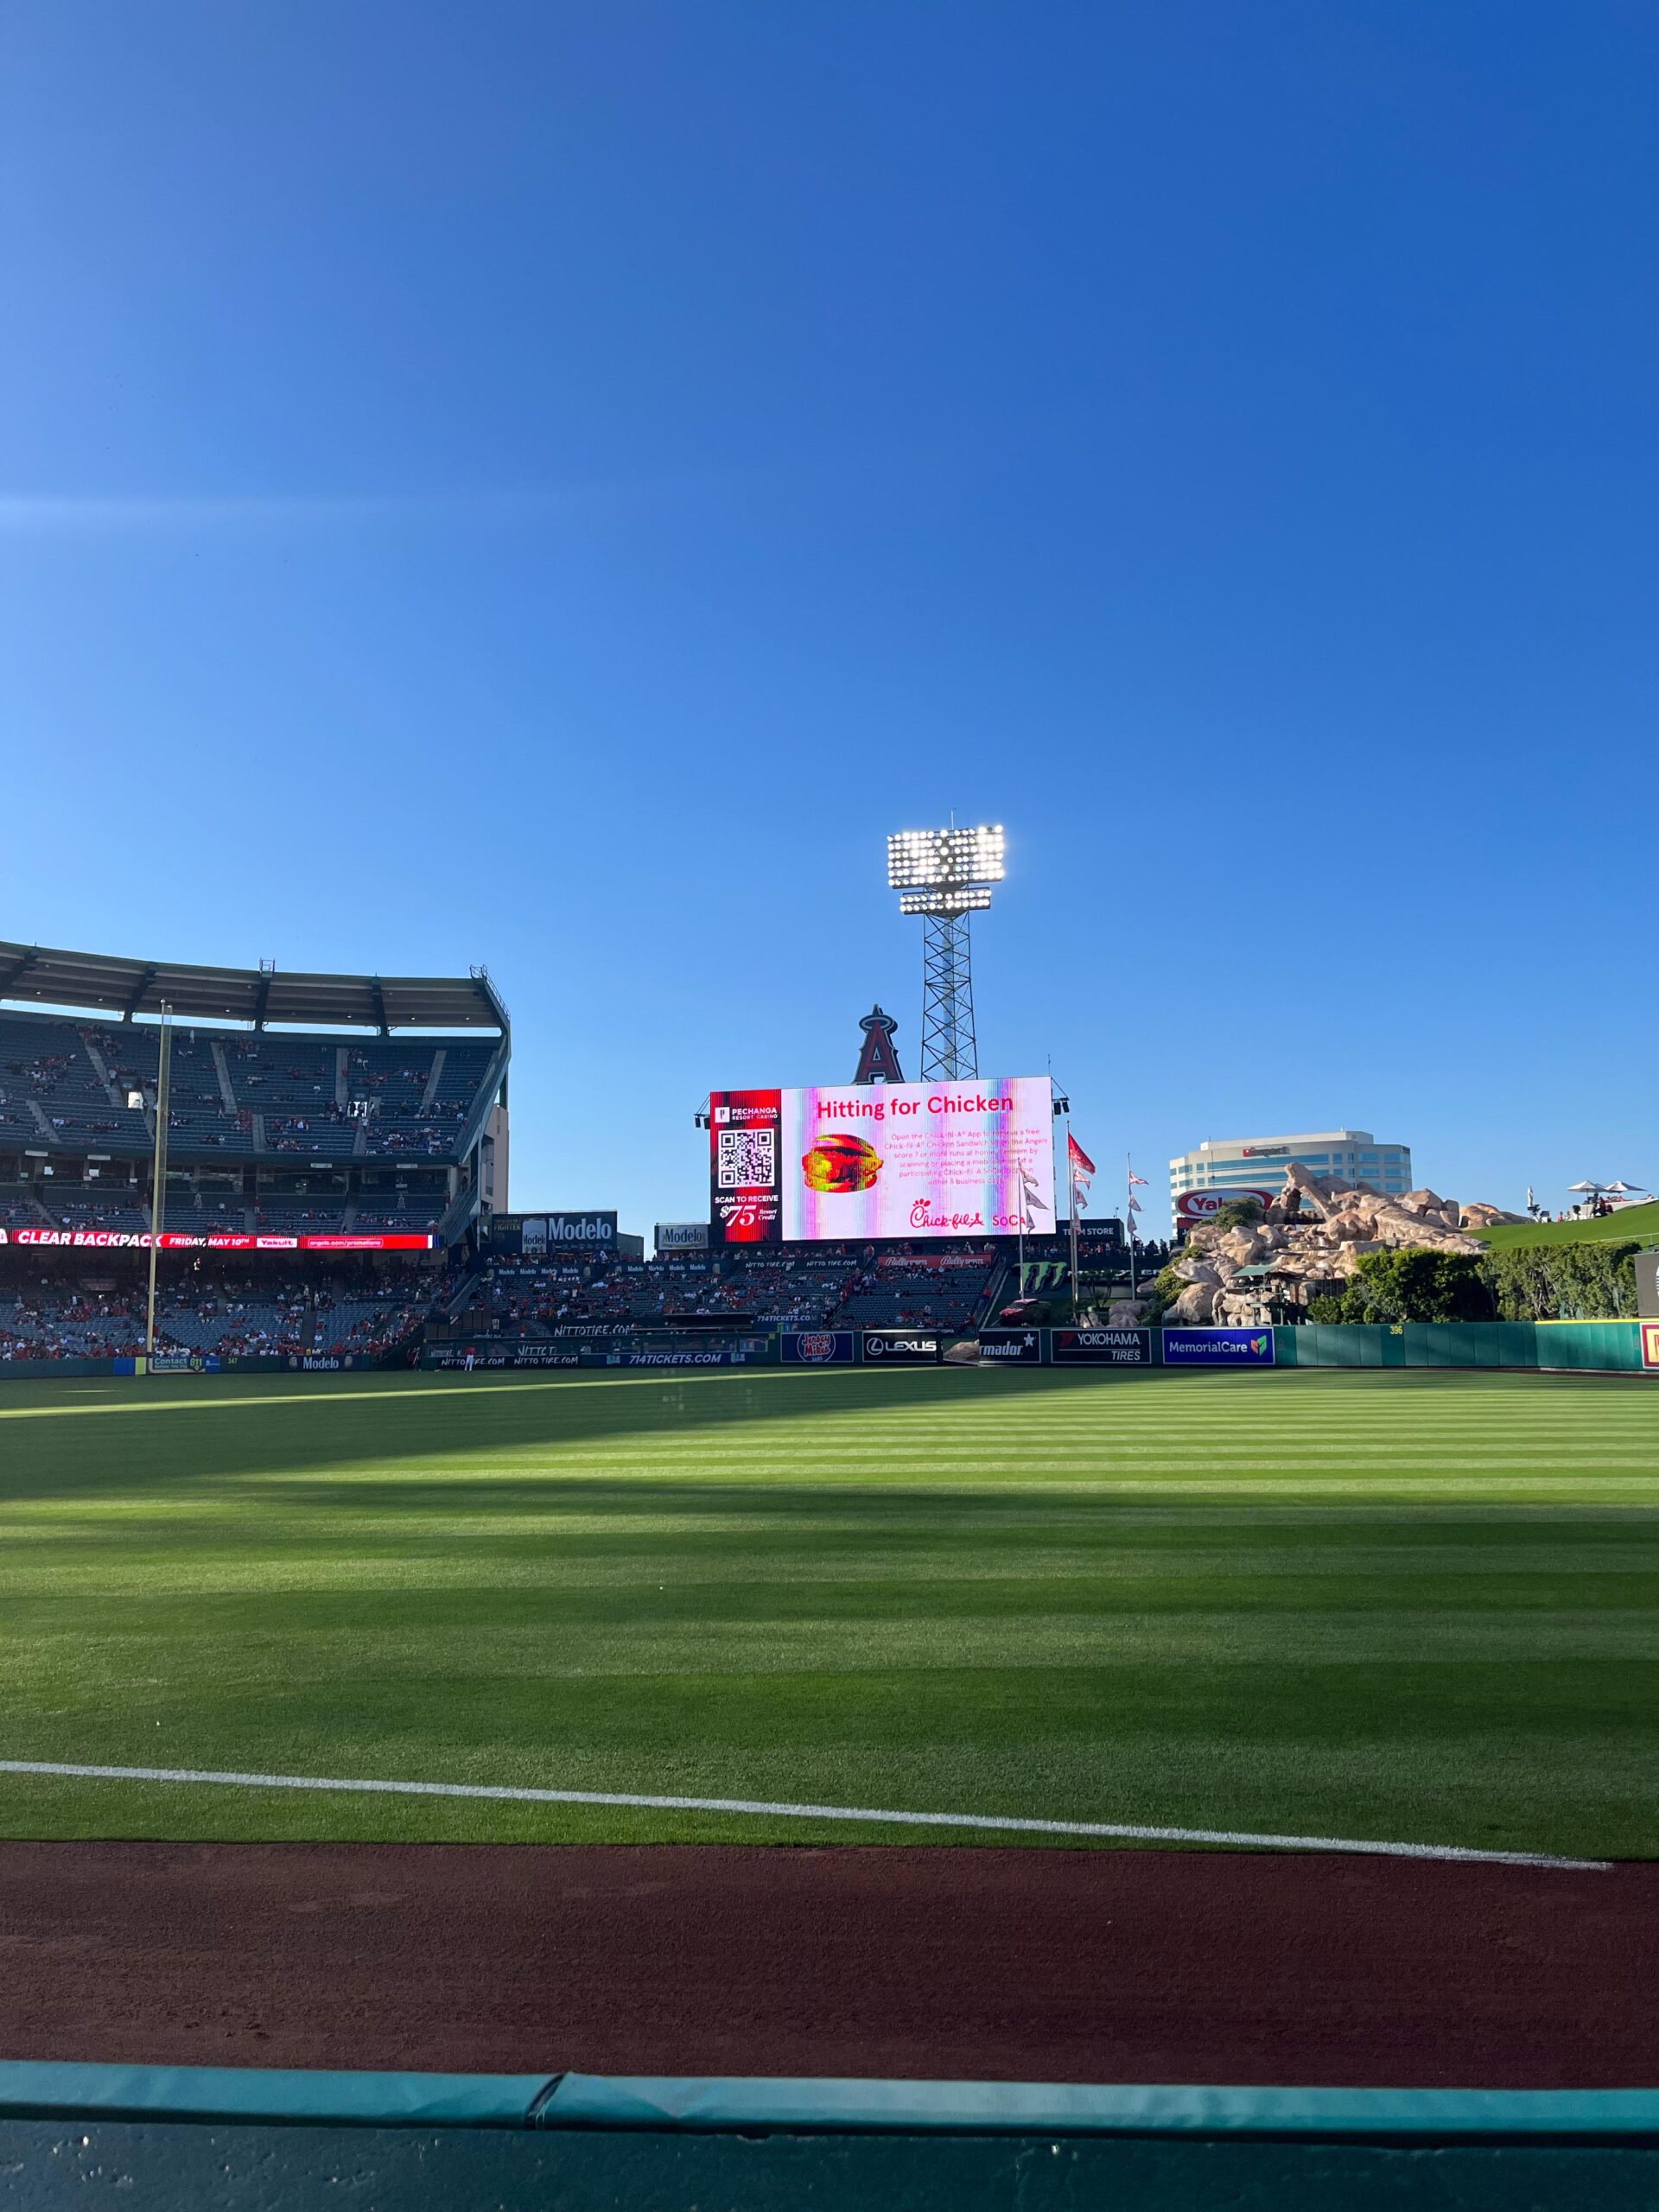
[{"x": 1078, "y": 1159}]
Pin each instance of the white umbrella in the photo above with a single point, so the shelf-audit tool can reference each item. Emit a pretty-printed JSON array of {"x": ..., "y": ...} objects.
[
  {"x": 1586, "y": 1187},
  {"x": 1628, "y": 1190}
]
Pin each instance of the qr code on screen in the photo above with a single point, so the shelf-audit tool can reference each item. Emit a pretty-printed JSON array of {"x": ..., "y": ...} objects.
[{"x": 748, "y": 1160}]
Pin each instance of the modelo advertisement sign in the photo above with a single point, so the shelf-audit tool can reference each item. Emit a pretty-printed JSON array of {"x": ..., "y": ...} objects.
[
  {"x": 901, "y": 1347},
  {"x": 1012, "y": 1347},
  {"x": 870, "y": 1160},
  {"x": 1194, "y": 1208},
  {"x": 1101, "y": 1347},
  {"x": 817, "y": 1347},
  {"x": 682, "y": 1236},
  {"x": 1217, "y": 1347},
  {"x": 539, "y": 1234}
]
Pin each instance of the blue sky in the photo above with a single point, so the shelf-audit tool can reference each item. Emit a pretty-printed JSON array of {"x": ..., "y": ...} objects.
[{"x": 554, "y": 485}]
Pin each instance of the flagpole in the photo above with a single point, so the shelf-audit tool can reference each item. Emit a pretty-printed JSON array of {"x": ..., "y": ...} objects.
[
  {"x": 1072, "y": 1177},
  {"x": 1128, "y": 1215}
]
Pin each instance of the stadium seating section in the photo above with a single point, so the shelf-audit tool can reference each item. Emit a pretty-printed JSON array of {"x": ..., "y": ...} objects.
[
  {"x": 65, "y": 1083},
  {"x": 272, "y": 1311},
  {"x": 829, "y": 1286},
  {"x": 66, "y": 1304}
]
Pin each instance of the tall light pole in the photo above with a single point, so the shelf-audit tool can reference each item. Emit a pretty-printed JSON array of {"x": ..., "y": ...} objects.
[
  {"x": 158, "y": 1173},
  {"x": 944, "y": 875}
]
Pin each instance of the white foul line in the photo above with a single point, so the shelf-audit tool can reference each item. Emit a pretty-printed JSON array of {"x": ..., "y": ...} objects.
[{"x": 1123, "y": 1831}]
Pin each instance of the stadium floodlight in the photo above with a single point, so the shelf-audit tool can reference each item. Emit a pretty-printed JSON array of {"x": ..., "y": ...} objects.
[{"x": 944, "y": 875}]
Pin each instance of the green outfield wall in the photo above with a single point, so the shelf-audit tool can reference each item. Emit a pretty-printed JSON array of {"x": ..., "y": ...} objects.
[{"x": 1615, "y": 1346}]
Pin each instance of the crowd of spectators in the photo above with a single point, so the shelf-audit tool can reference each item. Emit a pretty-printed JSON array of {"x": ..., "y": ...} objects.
[
  {"x": 369, "y": 1308},
  {"x": 818, "y": 1287}
]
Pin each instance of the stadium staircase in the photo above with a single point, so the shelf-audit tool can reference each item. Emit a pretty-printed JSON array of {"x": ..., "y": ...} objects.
[
  {"x": 101, "y": 1070},
  {"x": 996, "y": 1293},
  {"x": 433, "y": 1080},
  {"x": 463, "y": 1296},
  {"x": 222, "y": 1069},
  {"x": 456, "y": 1215}
]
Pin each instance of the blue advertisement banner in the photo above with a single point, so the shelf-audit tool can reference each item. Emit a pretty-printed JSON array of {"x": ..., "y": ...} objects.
[
  {"x": 1217, "y": 1347},
  {"x": 902, "y": 1347},
  {"x": 818, "y": 1347},
  {"x": 1012, "y": 1347}
]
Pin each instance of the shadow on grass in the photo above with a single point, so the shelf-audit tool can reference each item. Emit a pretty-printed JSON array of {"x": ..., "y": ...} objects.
[
  {"x": 95, "y": 1438},
  {"x": 98, "y": 1437}
]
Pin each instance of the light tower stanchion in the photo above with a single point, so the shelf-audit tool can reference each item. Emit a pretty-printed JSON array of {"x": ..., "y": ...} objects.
[{"x": 949, "y": 1047}]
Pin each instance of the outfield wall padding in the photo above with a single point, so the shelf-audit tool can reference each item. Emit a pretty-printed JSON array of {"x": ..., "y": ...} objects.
[
  {"x": 1546, "y": 1346},
  {"x": 177, "y": 2138},
  {"x": 293, "y": 2096}
]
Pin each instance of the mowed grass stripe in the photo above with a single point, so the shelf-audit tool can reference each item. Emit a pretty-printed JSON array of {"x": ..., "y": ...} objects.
[{"x": 1029, "y": 1594}]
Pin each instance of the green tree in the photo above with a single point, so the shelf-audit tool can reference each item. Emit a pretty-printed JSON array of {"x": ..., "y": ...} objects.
[
  {"x": 1411, "y": 1285},
  {"x": 1564, "y": 1282}
]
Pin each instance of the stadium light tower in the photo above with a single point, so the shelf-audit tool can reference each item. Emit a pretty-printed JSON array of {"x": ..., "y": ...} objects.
[{"x": 944, "y": 875}]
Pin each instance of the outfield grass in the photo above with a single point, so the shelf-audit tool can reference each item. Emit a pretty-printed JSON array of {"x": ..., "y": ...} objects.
[{"x": 1409, "y": 1605}]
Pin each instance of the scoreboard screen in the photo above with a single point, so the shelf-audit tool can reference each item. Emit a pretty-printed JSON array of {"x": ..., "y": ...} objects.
[{"x": 882, "y": 1160}]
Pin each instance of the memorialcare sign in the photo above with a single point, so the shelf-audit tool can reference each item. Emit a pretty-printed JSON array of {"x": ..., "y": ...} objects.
[
  {"x": 1011, "y": 1347},
  {"x": 818, "y": 1347},
  {"x": 902, "y": 1347},
  {"x": 1101, "y": 1347},
  {"x": 1217, "y": 1347}
]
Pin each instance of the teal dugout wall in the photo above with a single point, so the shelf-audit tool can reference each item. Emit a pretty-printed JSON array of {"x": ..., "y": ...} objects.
[{"x": 148, "y": 2137}]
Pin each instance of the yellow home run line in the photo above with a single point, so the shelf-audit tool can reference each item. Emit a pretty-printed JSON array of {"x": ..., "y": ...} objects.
[{"x": 1121, "y": 1831}]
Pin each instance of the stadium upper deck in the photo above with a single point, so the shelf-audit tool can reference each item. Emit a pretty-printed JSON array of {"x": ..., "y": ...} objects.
[{"x": 395, "y": 1118}]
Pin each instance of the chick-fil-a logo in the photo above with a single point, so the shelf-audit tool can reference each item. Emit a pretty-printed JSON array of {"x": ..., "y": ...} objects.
[{"x": 922, "y": 1216}]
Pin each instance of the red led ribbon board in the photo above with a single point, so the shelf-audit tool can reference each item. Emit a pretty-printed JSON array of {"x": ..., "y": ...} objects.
[{"x": 174, "y": 1240}]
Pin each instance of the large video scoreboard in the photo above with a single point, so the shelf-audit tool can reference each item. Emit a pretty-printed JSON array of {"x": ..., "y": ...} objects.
[{"x": 882, "y": 1160}]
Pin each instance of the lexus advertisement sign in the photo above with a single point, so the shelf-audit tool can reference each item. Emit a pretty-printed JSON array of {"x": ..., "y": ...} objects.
[{"x": 902, "y": 1347}]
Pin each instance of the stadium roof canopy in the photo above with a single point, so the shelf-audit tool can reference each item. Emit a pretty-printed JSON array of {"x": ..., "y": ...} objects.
[{"x": 34, "y": 975}]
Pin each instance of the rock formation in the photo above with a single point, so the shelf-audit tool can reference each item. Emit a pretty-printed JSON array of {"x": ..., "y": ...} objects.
[{"x": 1312, "y": 1240}]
